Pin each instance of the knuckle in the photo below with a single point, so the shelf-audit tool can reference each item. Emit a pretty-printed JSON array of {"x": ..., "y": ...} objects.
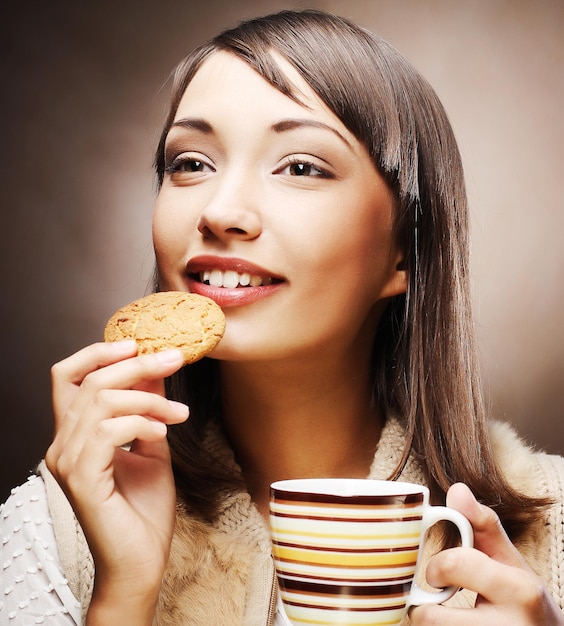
[
  {"x": 88, "y": 383},
  {"x": 64, "y": 466},
  {"x": 55, "y": 369},
  {"x": 493, "y": 519},
  {"x": 51, "y": 458},
  {"x": 489, "y": 518},
  {"x": 447, "y": 562},
  {"x": 102, "y": 398},
  {"x": 101, "y": 431},
  {"x": 58, "y": 371},
  {"x": 61, "y": 464}
]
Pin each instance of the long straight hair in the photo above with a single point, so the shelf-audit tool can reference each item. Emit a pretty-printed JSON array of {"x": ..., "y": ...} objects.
[{"x": 424, "y": 356}]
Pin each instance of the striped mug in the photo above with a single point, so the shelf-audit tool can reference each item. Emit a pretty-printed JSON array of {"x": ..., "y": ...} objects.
[{"x": 346, "y": 550}]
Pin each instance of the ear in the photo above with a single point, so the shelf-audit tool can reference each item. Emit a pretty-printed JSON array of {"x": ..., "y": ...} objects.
[{"x": 397, "y": 279}]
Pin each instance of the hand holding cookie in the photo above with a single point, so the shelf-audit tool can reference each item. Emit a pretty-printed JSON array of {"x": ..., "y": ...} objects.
[{"x": 110, "y": 394}]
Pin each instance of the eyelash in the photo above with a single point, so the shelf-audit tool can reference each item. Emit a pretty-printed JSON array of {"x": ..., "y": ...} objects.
[
  {"x": 177, "y": 164},
  {"x": 323, "y": 173}
]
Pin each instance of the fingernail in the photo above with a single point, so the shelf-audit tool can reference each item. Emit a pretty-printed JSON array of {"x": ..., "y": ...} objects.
[
  {"x": 158, "y": 427},
  {"x": 126, "y": 345},
  {"x": 179, "y": 408},
  {"x": 170, "y": 356}
]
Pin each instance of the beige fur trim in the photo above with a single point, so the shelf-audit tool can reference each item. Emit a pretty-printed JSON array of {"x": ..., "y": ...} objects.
[{"x": 205, "y": 581}]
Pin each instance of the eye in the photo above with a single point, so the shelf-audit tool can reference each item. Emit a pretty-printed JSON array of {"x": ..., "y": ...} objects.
[
  {"x": 304, "y": 168},
  {"x": 188, "y": 165}
]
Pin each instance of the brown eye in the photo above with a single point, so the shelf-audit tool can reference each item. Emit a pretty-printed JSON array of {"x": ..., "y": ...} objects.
[
  {"x": 191, "y": 166},
  {"x": 305, "y": 169},
  {"x": 301, "y": 169},
  {"x": 187, "y": 165}
]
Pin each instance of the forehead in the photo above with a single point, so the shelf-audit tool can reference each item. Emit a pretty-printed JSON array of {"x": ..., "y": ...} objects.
[{"x": 224, "y": 81}]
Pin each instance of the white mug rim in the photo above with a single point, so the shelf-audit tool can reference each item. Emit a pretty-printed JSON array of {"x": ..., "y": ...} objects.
[{"x": 348, "y": 487}]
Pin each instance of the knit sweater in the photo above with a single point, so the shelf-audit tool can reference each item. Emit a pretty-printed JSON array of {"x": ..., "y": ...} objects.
[{"x": 223, "y": 573}]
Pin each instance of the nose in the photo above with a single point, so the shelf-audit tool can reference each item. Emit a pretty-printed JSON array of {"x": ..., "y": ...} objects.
[{"x": 231, "y": 213}]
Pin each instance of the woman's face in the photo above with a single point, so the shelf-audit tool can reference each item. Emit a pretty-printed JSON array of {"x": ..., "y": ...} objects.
[{"x": 274, "y": 210}]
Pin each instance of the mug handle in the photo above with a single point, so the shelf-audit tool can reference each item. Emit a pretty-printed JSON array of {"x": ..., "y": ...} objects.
[{"x": 431, "y": 516}]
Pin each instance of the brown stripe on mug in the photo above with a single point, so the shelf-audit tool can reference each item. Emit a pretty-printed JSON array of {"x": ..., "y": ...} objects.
[
  {"x": 407, "y": 578},
  {"x": 377, "y": 501},
  {"x": 364, "y": 590},
  {"x": 349, "y": 609},
  {"x": 334, "y": 518}
]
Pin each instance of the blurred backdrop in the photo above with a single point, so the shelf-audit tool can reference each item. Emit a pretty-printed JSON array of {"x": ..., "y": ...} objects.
[{"x": 84, "y": 90}]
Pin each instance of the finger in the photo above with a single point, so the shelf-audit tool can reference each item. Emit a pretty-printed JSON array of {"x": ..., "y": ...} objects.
[
  {"x": 67, "y": 374},
  {"x": 94, "y": 465},
  {"x": 150, "y": 449},
  {"x": 474, "y": 570},
  {"x": 130, "y": 372},
  {"x": 489, "y": 535},
  {"x": 154, "y": 386},
  {"x": 75, "y": 367},
  {"x": 108, "y": 404},
  {"x": 124, "y": 374}
]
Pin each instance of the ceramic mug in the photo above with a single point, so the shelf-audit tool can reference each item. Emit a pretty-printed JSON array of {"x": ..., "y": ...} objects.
[{"x": 346, "y": 550}]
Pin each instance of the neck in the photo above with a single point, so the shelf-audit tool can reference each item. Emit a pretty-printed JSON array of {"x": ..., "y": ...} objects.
[{"x": 297, "y": 422}]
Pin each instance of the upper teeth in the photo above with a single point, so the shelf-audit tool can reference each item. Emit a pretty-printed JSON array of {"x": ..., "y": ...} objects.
[{"x": 230, "y": 279}]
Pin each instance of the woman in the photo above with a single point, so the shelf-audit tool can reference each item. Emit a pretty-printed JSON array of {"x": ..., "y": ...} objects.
[{"x": 311, "y": 185}]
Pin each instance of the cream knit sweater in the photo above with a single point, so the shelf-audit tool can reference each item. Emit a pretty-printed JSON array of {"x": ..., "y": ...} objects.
[{"x": 223, "y": 574}]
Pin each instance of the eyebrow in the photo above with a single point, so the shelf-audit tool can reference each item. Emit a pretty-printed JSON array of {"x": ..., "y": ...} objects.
[
  {"x": 292, "y": 124},
  {"x": 193, "y": 123},
  {"x": 201, "y": 125}
]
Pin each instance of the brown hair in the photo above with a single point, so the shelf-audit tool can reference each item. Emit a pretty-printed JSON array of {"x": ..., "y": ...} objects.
[{"x": 424, "y": 358}]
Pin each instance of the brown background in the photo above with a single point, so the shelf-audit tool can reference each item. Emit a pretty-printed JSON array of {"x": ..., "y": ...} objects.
[{"x": 84, "y": 88}]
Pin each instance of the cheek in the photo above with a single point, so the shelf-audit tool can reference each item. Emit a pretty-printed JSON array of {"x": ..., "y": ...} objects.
[
  {"x": 358, "y": 249},
  {"x": 169, "y": 235}
]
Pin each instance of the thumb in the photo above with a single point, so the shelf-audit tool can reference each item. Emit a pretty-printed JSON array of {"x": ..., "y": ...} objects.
[{"x": 489, "y": 535}]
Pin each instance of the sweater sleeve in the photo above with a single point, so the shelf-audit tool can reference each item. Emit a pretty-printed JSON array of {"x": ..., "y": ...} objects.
[
  {"x": 33, "y": 589},
  {"x": 552, "y": 469}
]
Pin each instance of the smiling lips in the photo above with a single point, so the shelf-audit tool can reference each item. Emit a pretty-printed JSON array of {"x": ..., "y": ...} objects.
[{"x": 230, "y": 282}]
